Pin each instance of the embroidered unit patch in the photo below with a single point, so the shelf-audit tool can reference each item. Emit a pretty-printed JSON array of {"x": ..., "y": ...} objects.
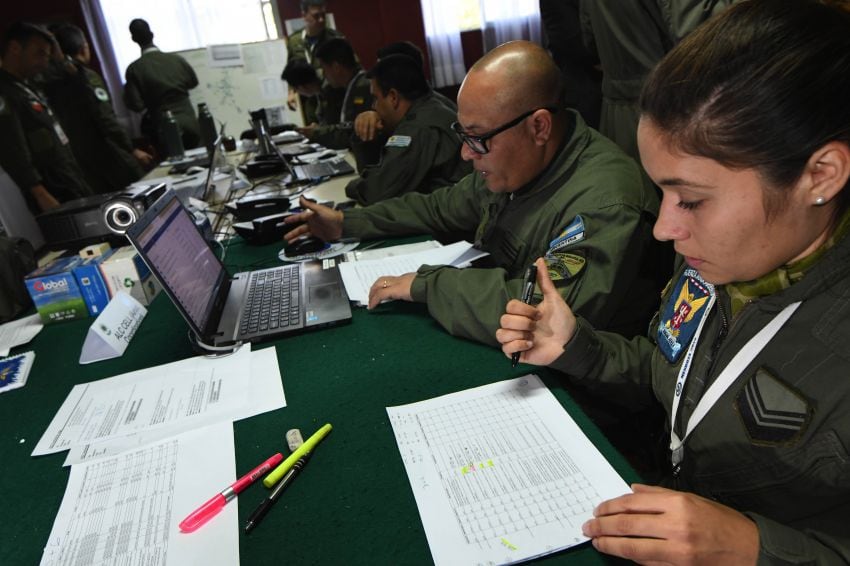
[
  {"x": 564, "y": 266},
  {"x": 682, "y": 314}
]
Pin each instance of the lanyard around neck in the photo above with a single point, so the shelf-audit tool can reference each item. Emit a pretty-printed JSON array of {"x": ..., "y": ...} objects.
[
  {"x": 729, "y": 374},
  {"x": 348, "y": 94}
]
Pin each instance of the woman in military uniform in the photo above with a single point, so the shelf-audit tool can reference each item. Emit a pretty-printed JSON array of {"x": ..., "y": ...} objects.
[{"x": 745, "y": 126}]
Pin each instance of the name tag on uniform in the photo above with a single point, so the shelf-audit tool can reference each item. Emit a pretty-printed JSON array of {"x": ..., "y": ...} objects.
[
  {"x": 60, "y": 133},
  {"x": 398, "y": 141}
]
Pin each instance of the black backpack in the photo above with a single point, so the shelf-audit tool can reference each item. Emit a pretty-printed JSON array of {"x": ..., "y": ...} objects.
[{"x": 17, "y": 259}]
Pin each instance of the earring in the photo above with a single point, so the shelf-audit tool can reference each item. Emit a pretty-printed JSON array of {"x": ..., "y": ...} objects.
[{"x": 820, "y": 201}]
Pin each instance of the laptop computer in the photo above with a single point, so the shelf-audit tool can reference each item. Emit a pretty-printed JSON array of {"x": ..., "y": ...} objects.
[
  {"x": 307, "y": 172},
  {"x": 250, "y": 306}
]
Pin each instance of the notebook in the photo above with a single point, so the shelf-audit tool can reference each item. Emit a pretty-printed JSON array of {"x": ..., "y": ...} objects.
[{"x": 250, "y": 306}]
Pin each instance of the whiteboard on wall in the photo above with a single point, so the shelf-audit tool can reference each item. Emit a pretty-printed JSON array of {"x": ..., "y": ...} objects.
[{"x": 231, "y": 92}]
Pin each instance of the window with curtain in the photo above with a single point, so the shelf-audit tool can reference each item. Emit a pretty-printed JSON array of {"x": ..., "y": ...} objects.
[
  {"x": 188, "y": 24},
  {"x": 499, "y": 21}
]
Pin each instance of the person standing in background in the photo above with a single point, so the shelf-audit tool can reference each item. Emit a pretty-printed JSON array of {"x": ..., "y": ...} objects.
[
  {"x": 302, "y": 45},
  {"x": 34, "y": 149},
  {"x": 80, "y": 99},
  {"x": 158, "y": 82},
  {"x": 629, "y": 38}
]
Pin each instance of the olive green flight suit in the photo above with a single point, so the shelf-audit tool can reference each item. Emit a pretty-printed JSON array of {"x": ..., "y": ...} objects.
[
  {"x": 629, "y": 39},
  {"x": 421, "y": 155},
  {"x": 100, "y": 144},
  {"x": 776, "y": 445},
  {"x": 358, "y": 98},
  {"x": 298, "y": 46},
  {"x": 590, "y": 179},
  {"x": 157, "y": 82},
  {"x": 33, "y": 146}
]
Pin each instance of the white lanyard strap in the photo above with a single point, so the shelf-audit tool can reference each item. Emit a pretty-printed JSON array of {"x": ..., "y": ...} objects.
[
  {"x": 729, "y": 374},
  {"x": 342, "y": 119}
]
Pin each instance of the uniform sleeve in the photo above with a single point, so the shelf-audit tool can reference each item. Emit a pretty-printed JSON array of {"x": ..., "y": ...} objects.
[
  {"x": 191, "y": 79},
  {"x": 333, "y": 136},
  {"x": 401, "y": 169},
  {"x": 451, "y": 209},
  {"x": 110, "y": 129},
  {"x": 783, "y": 545},
  {"x": 469, "y": 302},
  {"x": 14, "y": 152},
  {"x": 132, "y": 94}
]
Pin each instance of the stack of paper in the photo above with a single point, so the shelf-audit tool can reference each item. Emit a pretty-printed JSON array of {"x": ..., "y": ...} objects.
[
  {"x": 359, "y": 275},
  {"x": 136, "y": 442}
]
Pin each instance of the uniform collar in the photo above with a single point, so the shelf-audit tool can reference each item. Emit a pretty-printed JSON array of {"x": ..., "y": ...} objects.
[{"x": 812, "y": 267}]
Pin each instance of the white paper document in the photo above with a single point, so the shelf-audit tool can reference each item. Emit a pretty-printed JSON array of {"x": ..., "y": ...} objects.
[
  {"x": 265, "y": 393},
  {"x": 500, "y": 473},
  {"x": 183, "y": 393},
  {"x": 125, "y": 509},
  {"x": 359, "y": 276},
  {"x": 18, "y": 332}
]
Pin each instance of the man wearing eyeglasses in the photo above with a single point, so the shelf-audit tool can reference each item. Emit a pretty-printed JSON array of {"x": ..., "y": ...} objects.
[{"x": 544, "y": 185}]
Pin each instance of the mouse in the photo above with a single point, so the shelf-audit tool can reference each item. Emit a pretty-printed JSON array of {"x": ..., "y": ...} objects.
[
  {"x": 303, "y": 246},
  {"x": 194, "y": 170}
]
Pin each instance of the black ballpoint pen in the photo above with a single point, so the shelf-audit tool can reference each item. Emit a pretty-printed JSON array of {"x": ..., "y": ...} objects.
[
  {"x": 260, "y": 512},
  {"x": 527, "y": 293}
]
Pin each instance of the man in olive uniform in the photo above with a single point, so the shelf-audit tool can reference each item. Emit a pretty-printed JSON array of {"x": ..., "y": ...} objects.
[
  {"x": 341, "y": 70},
  {"x": 326, "y": 100},
  {"x": 302, "y": 45},
  {"x": 544, "y": 185},
  {"x": 158, "y": 82},
  {"x": 34, "y": 149},
  {"x": 421, "y": 152},
  {"x": 79, "y": 97}
]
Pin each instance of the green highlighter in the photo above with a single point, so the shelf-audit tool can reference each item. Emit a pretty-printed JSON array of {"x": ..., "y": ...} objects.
[{"x": 274, "y": 477}]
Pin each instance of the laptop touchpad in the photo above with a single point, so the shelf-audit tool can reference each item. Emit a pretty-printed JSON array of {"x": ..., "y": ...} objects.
[{"x": 323, "y": 292}]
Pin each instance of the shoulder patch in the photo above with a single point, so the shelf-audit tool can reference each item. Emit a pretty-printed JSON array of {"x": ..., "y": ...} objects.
[
  {"x": 398, "y": 141},
  {"x": 563, "y": 267},
  {"x": 573, "y": 233},
  {"x": 101, "y": 94},
  {"x": 772, "y": 411},
  {"x": 682, "y": 314}
]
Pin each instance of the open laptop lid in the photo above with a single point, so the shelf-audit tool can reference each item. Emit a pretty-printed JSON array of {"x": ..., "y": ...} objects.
[
  {"x": 184, "y": 263},
  {"x": 217, "y": 161}
]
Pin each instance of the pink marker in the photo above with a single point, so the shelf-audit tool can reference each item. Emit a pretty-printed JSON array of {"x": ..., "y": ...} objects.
[{"x": 209, "y": 509}]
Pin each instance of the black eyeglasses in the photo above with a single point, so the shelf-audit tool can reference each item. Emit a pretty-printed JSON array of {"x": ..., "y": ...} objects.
[{"x": 478, "y": 143}]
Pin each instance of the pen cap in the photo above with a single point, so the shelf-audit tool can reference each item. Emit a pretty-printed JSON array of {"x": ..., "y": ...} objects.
[{"x": 202, "y": 514}]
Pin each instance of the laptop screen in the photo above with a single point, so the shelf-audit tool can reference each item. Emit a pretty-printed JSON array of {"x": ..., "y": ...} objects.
[{"x": 174, "y": 249}]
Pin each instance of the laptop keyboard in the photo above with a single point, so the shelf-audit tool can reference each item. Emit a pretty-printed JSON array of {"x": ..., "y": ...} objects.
[{"x": 273, "y": 300}]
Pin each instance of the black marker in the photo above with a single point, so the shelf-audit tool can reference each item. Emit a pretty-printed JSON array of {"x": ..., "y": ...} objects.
[
  {"x": 267, "y": 503},
  {"x": 527, "y": 293}
]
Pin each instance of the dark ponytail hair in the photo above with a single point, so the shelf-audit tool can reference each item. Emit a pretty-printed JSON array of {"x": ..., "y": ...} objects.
[{"x": 762, "y": 85}]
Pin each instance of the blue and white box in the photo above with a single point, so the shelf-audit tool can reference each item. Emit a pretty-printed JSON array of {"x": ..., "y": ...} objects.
[
  {"x": 92, "y": 286},
  {"x": 55, "y": 292}
]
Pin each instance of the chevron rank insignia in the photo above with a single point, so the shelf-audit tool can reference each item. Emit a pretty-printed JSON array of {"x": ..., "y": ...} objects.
[{"x": 772, "y": 411}]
